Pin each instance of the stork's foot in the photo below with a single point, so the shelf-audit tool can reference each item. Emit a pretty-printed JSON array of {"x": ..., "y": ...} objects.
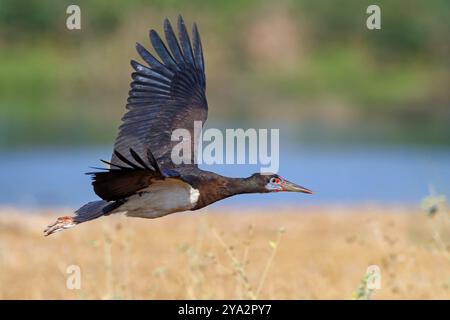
[{"x": 61, "y": 223}]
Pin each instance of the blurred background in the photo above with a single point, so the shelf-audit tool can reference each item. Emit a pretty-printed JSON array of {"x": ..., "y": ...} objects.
[
  {"x": 364, "y": 122},
  {"x": 364, "y": 114}
]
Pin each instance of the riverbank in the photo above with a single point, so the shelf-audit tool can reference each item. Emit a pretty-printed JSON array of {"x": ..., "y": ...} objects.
[{"x": 320, "y": 253}]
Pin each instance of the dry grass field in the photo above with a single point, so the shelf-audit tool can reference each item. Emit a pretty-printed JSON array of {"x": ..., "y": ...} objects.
[{"x": 307, "y": 253}]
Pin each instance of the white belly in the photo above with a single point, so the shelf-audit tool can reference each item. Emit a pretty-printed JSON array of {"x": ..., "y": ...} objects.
[{"x": 161, "y": 198}]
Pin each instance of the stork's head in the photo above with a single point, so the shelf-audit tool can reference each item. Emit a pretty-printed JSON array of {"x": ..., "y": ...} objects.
[{"x": 274, "y": 183}]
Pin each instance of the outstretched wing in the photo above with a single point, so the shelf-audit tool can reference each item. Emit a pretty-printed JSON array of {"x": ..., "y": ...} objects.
[
  {"x": 167, "y": 95},
  {"x": 124, "y": 180}
]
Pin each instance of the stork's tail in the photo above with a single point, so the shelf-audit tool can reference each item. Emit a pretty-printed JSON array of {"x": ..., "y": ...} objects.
[{"x": 91, "y": 210}]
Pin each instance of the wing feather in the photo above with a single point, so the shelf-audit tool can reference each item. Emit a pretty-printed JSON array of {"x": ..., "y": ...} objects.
[
  {"x": 198, "y": 51},
  {"x": 173, "y": 43},
  {"x": 185, "y": 42},
  {"x": 162, "y": 51},
  {"x": 119, "y": 182},
  {"x": 165, "y": 95}
]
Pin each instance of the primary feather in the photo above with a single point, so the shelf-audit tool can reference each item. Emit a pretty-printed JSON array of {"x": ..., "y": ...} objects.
[{"x": 165, "y": 95}]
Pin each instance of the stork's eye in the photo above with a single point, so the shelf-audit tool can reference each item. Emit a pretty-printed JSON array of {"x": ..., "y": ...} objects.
[{"x": 275, "y": 180}]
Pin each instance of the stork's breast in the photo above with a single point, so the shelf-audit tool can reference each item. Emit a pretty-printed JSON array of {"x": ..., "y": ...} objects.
[{"x": 161, "y": 198}]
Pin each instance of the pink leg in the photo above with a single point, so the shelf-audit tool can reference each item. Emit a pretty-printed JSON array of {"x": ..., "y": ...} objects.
[{"x": 60, "y": 224}]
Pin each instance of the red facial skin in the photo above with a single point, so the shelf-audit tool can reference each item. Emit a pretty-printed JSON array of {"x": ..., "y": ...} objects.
[{"x": 277, "y": 181}]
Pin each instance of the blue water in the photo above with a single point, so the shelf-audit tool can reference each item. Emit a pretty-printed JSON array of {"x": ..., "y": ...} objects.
[{"x": 337, "y": 175}]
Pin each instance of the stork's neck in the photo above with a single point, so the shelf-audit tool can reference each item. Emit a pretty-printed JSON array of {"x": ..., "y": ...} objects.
[
  {"x": 220, "y": 187},
  {"x": 244, "y": 185}
]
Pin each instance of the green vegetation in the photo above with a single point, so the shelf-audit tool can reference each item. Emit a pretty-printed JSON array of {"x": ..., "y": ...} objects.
[{"x": 315, "y": 61}]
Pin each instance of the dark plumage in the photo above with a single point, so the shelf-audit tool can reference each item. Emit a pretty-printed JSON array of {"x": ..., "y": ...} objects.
[
  {"x": 142, "y": 180},
  {"x": 164, "y": 96}
]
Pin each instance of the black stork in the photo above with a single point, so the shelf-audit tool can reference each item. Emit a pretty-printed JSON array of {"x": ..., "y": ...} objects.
[{"x": 142, "y": 180}]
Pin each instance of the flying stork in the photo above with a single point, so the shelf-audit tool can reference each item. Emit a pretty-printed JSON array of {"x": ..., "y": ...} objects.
[{"x": 142, "y": 180}]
